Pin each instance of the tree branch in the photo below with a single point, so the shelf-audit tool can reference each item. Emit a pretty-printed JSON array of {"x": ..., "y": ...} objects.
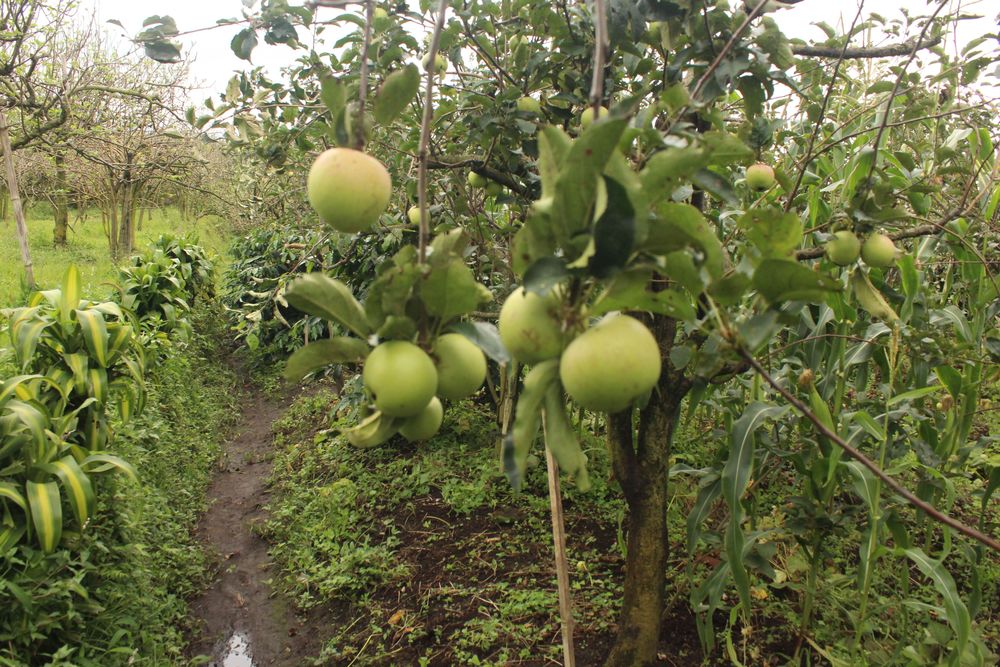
[
  {"x": 480, "y": 167},
  {"x": 873, "y": 467},
  {"x": 888, "y": 51}
]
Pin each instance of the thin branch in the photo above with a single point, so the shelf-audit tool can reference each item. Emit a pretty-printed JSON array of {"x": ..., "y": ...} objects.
[
  {"x": 888, "y": 51},
  {"x": 425, "y": 133},
  {"x": 873, "y": 467},
  {"x": 359, "y": 130},
  {"x": 479, "y": 166},
  {"x": 822, "y": 113},
  {"x": 600, "y": 54}
]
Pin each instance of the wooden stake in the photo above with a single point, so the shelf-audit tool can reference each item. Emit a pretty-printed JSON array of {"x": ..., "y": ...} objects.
[
  {"x": 562, "y": 568},
  {"x": 15, "y": 200}
]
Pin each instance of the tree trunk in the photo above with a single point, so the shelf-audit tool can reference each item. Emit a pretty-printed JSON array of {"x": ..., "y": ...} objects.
[
  {"x": 60, "y": 202},
  {"x": 15, "y": 200},
  {"x": 641, "y": 463}
]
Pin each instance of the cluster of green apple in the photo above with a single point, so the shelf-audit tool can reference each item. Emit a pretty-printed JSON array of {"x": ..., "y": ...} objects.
[
  {"x": 878, "y": 251},
  {"x": 408, "y": 384},
  {"x": 603, "y": 368},
  {"x": 480, "y": 182}
]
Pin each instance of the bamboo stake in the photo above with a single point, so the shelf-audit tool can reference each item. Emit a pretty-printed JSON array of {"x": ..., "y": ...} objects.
[
  {"x": 562, "y": 567},
  {"x": 15, "y": 200}
]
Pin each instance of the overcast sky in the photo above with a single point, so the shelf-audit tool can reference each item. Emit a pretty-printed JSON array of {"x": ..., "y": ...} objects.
[{"x": 214, "y": 62}]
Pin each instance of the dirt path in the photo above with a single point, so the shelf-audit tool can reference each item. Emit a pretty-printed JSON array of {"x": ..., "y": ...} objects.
[{"x": 243, "y": 625}]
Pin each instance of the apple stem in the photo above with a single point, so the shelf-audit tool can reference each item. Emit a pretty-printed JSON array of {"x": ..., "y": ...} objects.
[
  {"x": 425, "y": 133},
  {"x": 359, "y": 123}
]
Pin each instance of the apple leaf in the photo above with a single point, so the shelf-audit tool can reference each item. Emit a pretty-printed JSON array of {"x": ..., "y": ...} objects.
[
  {"x": 679, "y": 226},
  {"x": 614, "y": 233},
  {"x": 486, "y": 337},
  {"x": 396, "y": 93},
  {"x": 322, "y": 353},
  {"x": 630, "y": 291},
  {"x": 786, "y": 280},
  {"x": 545, "y": 274},
  {"x": 244, "y": 42},
  {"x": 320, "y": 295},
  {"x": 450, "y": 289},
  {"x": 774, "y": 232}
]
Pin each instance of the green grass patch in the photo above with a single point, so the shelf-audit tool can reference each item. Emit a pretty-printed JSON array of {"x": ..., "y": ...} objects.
[{"x": 87, "y": 247}]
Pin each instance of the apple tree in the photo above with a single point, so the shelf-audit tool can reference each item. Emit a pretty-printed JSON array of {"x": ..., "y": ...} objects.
[{"x": 685, "y": 214}]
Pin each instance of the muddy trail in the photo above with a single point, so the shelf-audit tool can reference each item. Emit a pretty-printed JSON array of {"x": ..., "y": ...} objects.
[{"x": 239, "y": 620}]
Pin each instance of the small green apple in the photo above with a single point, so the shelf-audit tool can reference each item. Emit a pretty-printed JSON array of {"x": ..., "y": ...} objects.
[
  {"x": 529, "y": 327},
  {"x": 844, "y": 248},
  {"x": 587, "y": 117},
  {"x": 528, "y": 104},
  {"x": 348, "y": 189},
  {"x": 440, "y": 63},
  {"x": 477, "y": 180},
  {"x": 879, "y": 251},
  {"x": 760, "y": 176},
  {"x": 401, "y": 376},
  {"x": 414, "y": 215},
  {"x": 425, "y": 424}
]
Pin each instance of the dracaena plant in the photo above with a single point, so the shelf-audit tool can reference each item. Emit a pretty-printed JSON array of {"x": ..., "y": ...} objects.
[{"x": 88, "y": 352}]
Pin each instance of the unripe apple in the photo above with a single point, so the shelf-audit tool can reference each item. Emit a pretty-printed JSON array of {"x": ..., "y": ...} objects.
[
  {"x": 348, "y": 189},
  {"x": 879, "y": 251},
  {"x": 477, "y": 180},
  {"x": 528, "y": 104},
  {"x": 587, "y": 117},
  {"x": 461, "y": 366},
  {"x": 610, "y": 365},
  {"x": 844, "y": 248},
  {"x": 425, "y": 424},
  {"x": 380, "y": 19},
  {"x": 440, "y": 63},
  {"x": 414, "y": 215},
  {"x": 402, "y": 377},
  {"x": 529, "y": 328},
  {"x": 760, "y": 176},
  {"x": 494, "y": 189}
]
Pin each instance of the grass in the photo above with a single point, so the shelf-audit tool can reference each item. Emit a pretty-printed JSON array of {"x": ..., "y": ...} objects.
[{"x": 87, "y": 247}]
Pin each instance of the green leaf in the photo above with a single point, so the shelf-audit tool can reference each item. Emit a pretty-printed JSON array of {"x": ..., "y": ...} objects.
[
  {"x": 162, "y": 51},
  {"x": 78, "y": 488},
  {"x": 630, "y": 290},
  {"x": 681, "y": 226},
  {"x": 614, "y": 233},
  {"x": 450, "y": 289},
  {"x": 99, "y": 462},
  {"x": 955, "y": 609},
  {"x": 320, "y": 295},
  {"x": 545, "y": 274},
  {"x": 95, "y": 334},
  {"x": 561, "y": 438},
  {"x": 724, "y": 148},
  {"x": 396, "y": 93},
  {"x": 716, "y": 185},
  {"x": 527, "y": 416},
  {"x": 576, "y": 188},
  {"x": 12, "y": 493},
  {"x": 914, "y": 394},
  {"x": 486, "y": 336},
  {"x": 373, "y": 430},
  {"x": 322, "y": 353},
  {"x": 244, "y": 42},
  {"x": 774, "y": 232},
  {"x": 553, "y": 145},
  {"x": 333, "y": 93},
  {"x": 735, "y": 478},
  {"x": 780, "y": 280},
  {"x": 46, "y": 513},
  {"x": 664, "y": 170},
  {"x": 25, "y": 333}
]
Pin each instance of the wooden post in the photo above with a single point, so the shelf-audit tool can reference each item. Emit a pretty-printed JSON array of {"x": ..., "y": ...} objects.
[
  {"x": 562, "y": 568},
  {"x": 15, "y": 200}
]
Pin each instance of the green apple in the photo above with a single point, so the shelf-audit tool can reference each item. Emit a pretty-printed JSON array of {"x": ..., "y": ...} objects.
[
  {"x": 425, "y": 424},
  {"x": 494, "y": 189},
  {"x": 587, "y": 117},
  {"x": 348, "y": 189},
  {"x": 414, "y": 215},
  {"x": 528, "y": 104},
  {"x": 401, "y": 376},
  {"x": 611, "y": 364},
  {"x": 844, "y": 248},
  {"x": 440, "y": 63},
  {"x": 477, "y": 180},
  {"x": 529, "y": 327},
  {"x": 879, "y": 251},
  {"x": 760, "y": 176},
  {"x": 461, "y": 366}
]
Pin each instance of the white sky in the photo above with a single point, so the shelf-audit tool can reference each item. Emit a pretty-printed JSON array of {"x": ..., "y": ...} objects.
[{"x": 214, "y": 62}]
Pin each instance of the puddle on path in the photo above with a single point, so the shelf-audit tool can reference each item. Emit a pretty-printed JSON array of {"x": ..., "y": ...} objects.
[{"x": 237, "y": 652}]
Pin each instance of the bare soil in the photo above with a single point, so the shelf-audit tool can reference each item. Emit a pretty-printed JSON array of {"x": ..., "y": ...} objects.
[{"x": 240, "y": 601}]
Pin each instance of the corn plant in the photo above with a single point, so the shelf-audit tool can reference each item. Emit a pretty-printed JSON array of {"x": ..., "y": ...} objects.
[{"x": 89, "y": 354}]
